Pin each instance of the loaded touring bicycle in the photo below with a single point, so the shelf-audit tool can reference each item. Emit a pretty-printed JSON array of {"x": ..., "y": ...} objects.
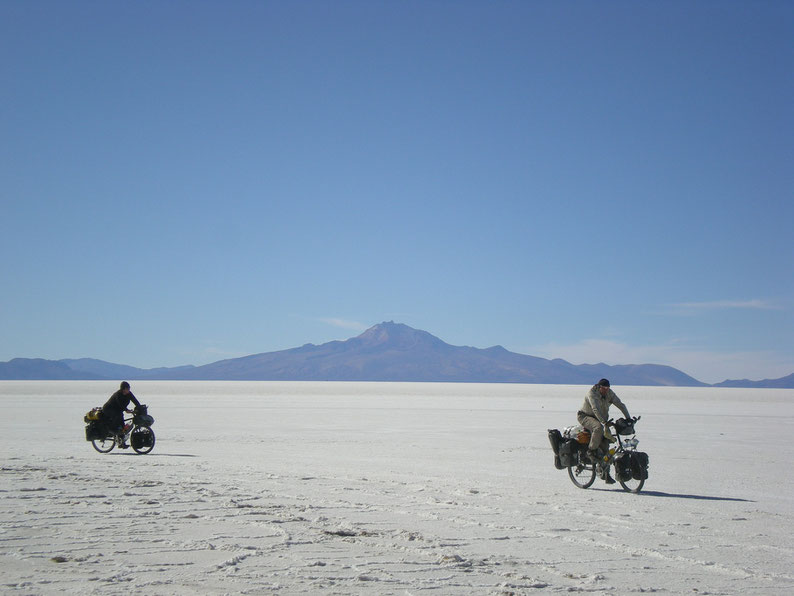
[
  {"x": 137, "y": 428},
  {"x": 570, "y": 452}
]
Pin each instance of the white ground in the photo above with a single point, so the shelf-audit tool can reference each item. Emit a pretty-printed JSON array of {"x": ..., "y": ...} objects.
[{"x": 368, "y": 488}]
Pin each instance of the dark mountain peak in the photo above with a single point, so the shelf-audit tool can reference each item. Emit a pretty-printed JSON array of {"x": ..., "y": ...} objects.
[
  {"x": 497, "y": 350},
  {"x": 396, "y": 335}
]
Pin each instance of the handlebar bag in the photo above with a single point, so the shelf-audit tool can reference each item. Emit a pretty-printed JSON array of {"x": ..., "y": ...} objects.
[
  {"x": 624, "y": 427},
  {"x": 143, "y": 420}
]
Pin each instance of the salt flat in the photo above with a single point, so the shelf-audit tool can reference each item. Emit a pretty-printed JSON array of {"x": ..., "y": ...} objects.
[{"x": 390, "y": 488}]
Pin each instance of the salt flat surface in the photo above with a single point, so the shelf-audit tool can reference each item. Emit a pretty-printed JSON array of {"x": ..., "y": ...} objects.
[{"x": 390, "y": 488}]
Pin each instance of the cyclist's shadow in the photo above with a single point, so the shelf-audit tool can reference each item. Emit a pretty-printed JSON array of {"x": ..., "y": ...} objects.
[
  {"x": 657, "y": 493},
  {"x": 153, "y": 454}
]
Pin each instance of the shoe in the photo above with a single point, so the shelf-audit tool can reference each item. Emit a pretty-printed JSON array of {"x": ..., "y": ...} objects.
[
  {"x": 124, "y": 446},
  {"x": 609, "y": 479}
]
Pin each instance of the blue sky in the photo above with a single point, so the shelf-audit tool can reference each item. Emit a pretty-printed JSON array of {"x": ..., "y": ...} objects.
[{"x": 183, "y": 182}]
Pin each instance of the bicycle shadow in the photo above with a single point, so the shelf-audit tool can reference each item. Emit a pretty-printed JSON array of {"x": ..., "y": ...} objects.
[
  {"x": 657, "y": 493},
  {"x": 132, "y": 453}
]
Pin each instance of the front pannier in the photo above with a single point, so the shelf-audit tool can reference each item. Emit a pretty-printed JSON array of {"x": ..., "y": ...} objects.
[
  {"x": 639, "y": 465},
  {"x": 555, "y": 438},
  {"x": 623, "y": 466},
  {"x": 141, "y": 438},
  {"x": 568, "y": 451}
]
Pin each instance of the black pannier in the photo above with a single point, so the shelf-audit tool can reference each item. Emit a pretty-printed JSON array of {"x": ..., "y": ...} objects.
[
  {"x": 94, "y": 431},
  {"x": 639, "y": 465},
  {"x": 623, "y": 466},
  {"x": 141, "y": 438},
  {"x": 568, "y": 451},
  {"x": 555, "y": 438}
]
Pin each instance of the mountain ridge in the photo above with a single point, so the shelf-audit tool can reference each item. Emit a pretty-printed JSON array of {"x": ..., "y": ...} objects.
[{"x": 387, "y": 351}]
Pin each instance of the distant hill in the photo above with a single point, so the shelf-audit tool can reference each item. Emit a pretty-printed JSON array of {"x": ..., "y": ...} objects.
[
  {"x": 386, "y": 352},
  {"x": 108, "y": 370},
  {"x": 396, "y": 352},
  {"x": 37, "y": 369},
  {"x": 781, "y": 383}
]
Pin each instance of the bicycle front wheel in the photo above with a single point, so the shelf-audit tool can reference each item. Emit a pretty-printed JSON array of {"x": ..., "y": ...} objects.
[
  {"x": 631, "y": 485},
  {"x": 142, "y": 440}
]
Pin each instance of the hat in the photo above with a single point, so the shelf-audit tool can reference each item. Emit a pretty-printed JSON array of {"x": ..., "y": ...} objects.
[{"x": 604, "y": 383}]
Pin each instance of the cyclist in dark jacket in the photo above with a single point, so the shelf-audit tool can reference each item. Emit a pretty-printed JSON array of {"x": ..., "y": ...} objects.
[{"x": 114, "y": 408}]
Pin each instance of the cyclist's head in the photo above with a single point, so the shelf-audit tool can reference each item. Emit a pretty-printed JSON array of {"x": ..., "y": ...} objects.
[
  {"x": 603, "y": 383},
  {"x": 125, "y": 385}
]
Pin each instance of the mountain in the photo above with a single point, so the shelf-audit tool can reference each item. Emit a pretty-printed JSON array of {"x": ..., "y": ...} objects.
[
  {"x": 781, "y": 383},
  {"x": 108, "y": 370},
  {"x": 396, "y": 352},
  {"x": 37, "y": 369},
  {"x": 386, "y": 352},
  {"x": 81, "y": 369}
]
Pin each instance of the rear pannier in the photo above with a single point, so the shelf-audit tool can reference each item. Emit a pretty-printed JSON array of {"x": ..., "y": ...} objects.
[
  {"x": 555, "y": 438},
  {"x": 94, "y": 431},
  {"x": 568, "y": 450}
]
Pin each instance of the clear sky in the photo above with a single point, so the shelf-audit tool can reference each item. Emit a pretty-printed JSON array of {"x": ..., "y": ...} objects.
[{"x": 187, "y": 181}]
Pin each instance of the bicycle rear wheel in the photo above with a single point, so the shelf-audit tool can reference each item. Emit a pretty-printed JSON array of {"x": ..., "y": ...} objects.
[
  {"x": 582, "y": 475},
  {"x": 105, "y": 445}
]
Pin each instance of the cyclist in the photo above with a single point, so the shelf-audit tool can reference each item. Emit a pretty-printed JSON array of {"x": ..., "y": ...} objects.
[
  {"x": 594, "y": 415},
  {"x": 114, "y": 408}
]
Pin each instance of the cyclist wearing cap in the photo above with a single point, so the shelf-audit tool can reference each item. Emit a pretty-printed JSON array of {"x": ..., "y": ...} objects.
[{"x": 595, "y": 413}]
